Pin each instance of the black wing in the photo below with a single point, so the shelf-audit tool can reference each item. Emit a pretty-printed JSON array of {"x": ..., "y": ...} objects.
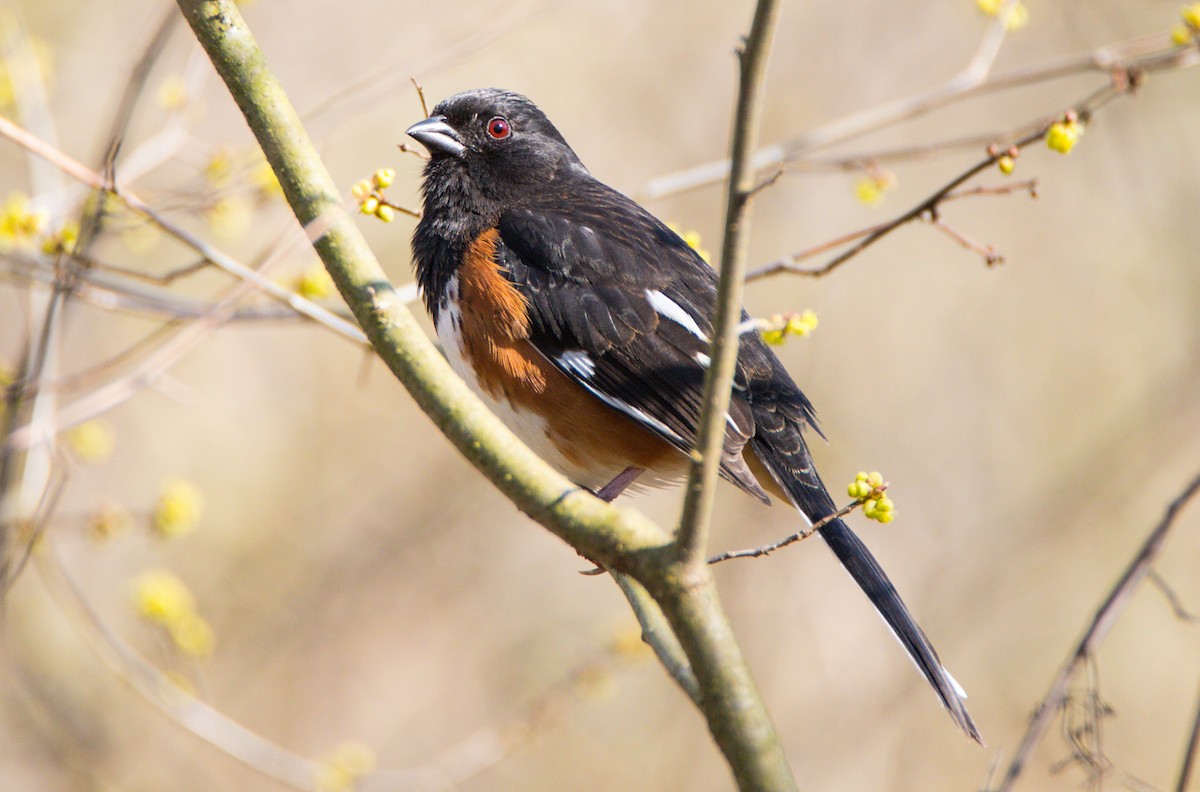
[{"x": 620, "y": 304}]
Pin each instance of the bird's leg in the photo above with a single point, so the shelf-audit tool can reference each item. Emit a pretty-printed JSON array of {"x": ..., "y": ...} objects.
[{"x": 609, "y": 492}]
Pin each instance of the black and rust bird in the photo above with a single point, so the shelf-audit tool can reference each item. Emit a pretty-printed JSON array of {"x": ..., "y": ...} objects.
[{"x": 584, "y": 323}]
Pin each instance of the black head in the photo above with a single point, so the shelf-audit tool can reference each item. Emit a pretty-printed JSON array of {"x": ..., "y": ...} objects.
[{"x": 497, "y": 139}]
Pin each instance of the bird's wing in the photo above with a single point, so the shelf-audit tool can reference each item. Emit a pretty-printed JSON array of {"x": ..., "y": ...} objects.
[{"x": 613, "y": 304}]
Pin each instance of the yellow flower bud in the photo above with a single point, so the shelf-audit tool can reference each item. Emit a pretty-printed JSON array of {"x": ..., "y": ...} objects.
[
  {"x": 161, "y": 597},
  {"x": 192, "y": 635},
  {"x": 314, "y": 283},
  {"x": 1191, "y": 16},
  {"x": 369, "y": 205},
  {"x": 179, "y": 508},
  {"x": 92, "y": 441},
  {"x": 383, "y": 178},
  {"x": 1063, "y": 135},
  {"x": 1006, "y": 164},
  {"x": 385, "y": 213}
]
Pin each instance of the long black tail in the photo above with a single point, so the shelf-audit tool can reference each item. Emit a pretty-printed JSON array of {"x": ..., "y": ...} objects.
[{"x": 781, "y": 448}]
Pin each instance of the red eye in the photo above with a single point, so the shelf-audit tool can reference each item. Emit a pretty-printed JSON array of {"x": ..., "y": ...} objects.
[{"x": 498, "y": 128}]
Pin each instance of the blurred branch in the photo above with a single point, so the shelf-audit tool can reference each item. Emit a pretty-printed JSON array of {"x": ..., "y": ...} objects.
[
  {"x": 89, "y": 177},
  {"x": 204, "y": 721},
  {"x": 26, "y": 477},
  {"x": 1150, "y": 53},
  {"x": 1189, "y": 753},
  {"x": 1102, "y": 621},
  {"x": 144, "y": 375}
]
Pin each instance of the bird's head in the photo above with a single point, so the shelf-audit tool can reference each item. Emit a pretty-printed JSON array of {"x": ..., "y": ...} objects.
[{"x": 495, "y": 139}]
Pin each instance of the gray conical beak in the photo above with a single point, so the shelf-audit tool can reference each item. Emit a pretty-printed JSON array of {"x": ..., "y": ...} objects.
[{"x": 436, "y": 135}]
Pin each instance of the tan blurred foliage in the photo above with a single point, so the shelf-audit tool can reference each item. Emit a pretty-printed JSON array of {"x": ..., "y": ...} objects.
[{"x": 365, "y": 586}]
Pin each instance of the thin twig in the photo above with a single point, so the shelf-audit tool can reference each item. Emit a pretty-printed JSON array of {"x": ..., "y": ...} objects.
[
  {"x": 705, "y": 466},
  {"x": 799, "y": 536},
  {"x": 1150, "y": 53},
  {"x": 928, "y": 206},
  {"x": 1172, "y": 597},
  {"x": 1102, "y": 621},
  {"x": 656, "y": 633},
  {"x": 1189, "y": 753},
  {"x": 986, "y": 252}
]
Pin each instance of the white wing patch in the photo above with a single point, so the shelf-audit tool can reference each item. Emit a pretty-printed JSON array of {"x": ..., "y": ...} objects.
[
  {"x": 669, "y": 309},
  {"x": 579, "y": 362}
]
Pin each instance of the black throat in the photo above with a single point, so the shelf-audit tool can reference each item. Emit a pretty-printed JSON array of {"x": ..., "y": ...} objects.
[{"x": 455, "y": 213}]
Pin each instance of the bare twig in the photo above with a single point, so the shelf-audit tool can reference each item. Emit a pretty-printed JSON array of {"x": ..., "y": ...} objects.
[
  {"x": 1102, "y": 621},
  {"x": 656, "y": 633},
  {"x": 420, "y": 89},
  {"x": 1150, "y": 53},
  {"x": 1172, "y": 597},
  {"x": 26, "y": 477},
  {"x": 718, "y": 381},
  {"x": 927, "y": 207},
  {"x": 986, "y": 252},
  {"x": 799, "y": 536},
  {"x": 1189, "y": 753}
]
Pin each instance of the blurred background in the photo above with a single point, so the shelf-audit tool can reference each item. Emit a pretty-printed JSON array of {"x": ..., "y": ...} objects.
[{"x": 367, "y": 599}]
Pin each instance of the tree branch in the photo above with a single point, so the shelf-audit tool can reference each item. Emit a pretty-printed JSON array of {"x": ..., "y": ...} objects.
[
  {"x": 718, "y": 381},
  {"x": 1189, "y": 753},
  {"x": 1106, "y": 615},
  {"x": 617, "y": 538}
]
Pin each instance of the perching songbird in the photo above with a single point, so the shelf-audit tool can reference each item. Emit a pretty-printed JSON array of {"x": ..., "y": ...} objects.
[{"x": 584, "y": 322}]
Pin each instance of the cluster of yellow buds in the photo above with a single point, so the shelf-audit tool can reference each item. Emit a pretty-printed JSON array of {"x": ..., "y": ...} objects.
[
  {"x": 776, "y": 329},
  {"x": 61, "y": 241},
  {"x": 369, "y": 194},
  {"x": 163, "y": 599},
  {"x": 869, "y": 490},
  {"x": 1065, "y": 133},
  {"x": 1188, "y": 30},
  {"x": 20, "y": 222}
]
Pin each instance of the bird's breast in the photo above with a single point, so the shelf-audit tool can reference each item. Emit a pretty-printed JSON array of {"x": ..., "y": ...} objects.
[{"x": 483, "y": 325}]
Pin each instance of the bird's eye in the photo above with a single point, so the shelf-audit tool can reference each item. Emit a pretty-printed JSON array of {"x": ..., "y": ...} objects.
[{"x": 498, "y": 128}]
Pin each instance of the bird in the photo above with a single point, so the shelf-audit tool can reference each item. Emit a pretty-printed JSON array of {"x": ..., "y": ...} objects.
[{"x": 584, "y": 323}]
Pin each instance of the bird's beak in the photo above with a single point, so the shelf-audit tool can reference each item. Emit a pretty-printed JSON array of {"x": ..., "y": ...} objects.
[{"x": 436, "y": 135}]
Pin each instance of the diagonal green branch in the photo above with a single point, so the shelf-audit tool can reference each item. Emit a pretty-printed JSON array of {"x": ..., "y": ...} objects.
[{"x": 604, "y": 533}]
